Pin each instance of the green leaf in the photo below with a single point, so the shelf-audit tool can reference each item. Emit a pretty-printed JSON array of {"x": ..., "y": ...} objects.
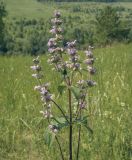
[
  {"x": 59, "y": 122},
  {"x": 49, "y": 137},
  {"x": 64, "y": 72},
  {"x": 75, "y": 91},
  {"x": 61, "y": 88},
  {"x": 84, "y": 121}
]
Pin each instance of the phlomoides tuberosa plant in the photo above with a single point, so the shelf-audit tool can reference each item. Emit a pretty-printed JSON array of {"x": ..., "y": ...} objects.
[{"x": 76, "y": 79}]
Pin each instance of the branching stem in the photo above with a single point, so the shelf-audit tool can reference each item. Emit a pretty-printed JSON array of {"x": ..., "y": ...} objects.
[
  {"x": 60, "y": 110},
  {"x": 62, "y": 156},
  {"x": 70, "y": 131}
]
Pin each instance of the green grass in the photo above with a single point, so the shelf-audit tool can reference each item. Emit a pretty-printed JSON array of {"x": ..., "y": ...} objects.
[
  {"x": 33, "y": 9},
  {"x": 22, "y": 127},
  {"x": 27, "y": 9}
]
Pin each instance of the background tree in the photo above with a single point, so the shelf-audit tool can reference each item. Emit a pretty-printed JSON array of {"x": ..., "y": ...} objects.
[
  {"x": 3, "y": 13},
  {"x": 107, "y": 25}
]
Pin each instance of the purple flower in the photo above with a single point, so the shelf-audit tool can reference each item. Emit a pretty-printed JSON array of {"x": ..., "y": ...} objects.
[
  {"x": 51, "y": 50},
  {"x": 53, "y": 128},
  {"x": 51, "y": 42},
  {"x": 82, "y": 105},
  {"x": 47, "y": 114},
  {"x": 91, "y": 70},
  {"x": 91, "y": 83},
  {"x": 89, "y": 54},
  {"x": 89, "y": 61},
  {"x": 38, "y": 76},
  {"x": 44, "y": 91},
  {"x": 56, "y": 30},
  {"x": 72, "y": 51},
  {"x": 56, "y": 21},
  {"x": 36, "y": 68},
  {"x": 80, "y": 82},
  {"x": 71, "y": 44},
  {"x": 46, "y": 98},
  {"x": 74, "y": 59},
  {"x": 57, "y": 14},
  {"x": 76, "y": 66},
  {"x": 37, "y": 88}
]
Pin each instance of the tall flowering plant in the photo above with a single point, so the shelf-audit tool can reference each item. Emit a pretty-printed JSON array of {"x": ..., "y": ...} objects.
[{"x": 75, "y": 72}]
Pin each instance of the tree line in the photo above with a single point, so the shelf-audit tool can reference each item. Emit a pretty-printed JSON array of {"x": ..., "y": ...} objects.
[
  {"x": 84, "y": 1},
  {"x": 30, "y": 36}
]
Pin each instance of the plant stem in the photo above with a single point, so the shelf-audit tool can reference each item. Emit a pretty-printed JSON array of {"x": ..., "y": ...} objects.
[
  {"x": 60, "y": 110},
  {"x": 79, "y": 133},
  {"x": 79, "y": 139},
  {"x": 70, "y": 131},
  {"x": 59, "y": 147}
]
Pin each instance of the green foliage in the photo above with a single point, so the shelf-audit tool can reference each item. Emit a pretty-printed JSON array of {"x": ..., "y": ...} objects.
[
  {"x": 2, "y": 27},
  {"x": 76, "y": 91},
  {"x": 108, "y": 25},
  {"x": 27, "y": 31},
  {"x": 49, "y": 137}
]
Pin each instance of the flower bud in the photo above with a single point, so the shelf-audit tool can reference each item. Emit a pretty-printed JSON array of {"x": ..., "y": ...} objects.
[
  {"x": 72, "y": 51},
  {"x": 36, "y": 68},
  {"x": 38, "y": 76},
  {"x": 91, "y": 83},
  {"x": 89, "y": 54},
  {"x": 89, "y": 61},
  {"x": 37, "y": 88},
  {"x": 56, "y": 21},
  {"x": 71, "y": 44},
  {"x": 91, "y": 70},
  {"x": 36, "y": 60},
  {"x": 57, "y": 14}
]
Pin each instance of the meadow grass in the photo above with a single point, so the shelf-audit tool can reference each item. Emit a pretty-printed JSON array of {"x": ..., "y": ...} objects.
[
  {"x": 22, "y": 127},
  {"x": 31, "y": 9}
]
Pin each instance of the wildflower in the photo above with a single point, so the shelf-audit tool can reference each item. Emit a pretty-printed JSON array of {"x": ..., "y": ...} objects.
[
  {"x": 53, "y": 128},
  {"x": 74, "y": 59},
  {"x": 46, "y": 98},
  {"x": 56, "y": 21},
  {"x": 89, "y": 54},
  {"x": 47, "y": 114},
  {"x": 76, "y": 66},
  {"x": 71, "y": 44},
  {"x": 36, "y": 60},
  {"x": 36, "y": 68},
  {"x": 56, "y": 30},
  {"x": 37, "y": 88},
  {"x": 82, "y": 105},
  {"x": 51, "y": 50},
  {"x": 72, "y": 51},
  {"x": 58, "y": 49},
  {"x": 38, "y": 76},
  {"x": 51, "y": 42},
  {"x": 54, "y": 59},
  {"x": 58, "y": 37},
  {"x": 46, "y": 85},
  {"x": 44, "y": 91},
  {"x": 57, "y": 14},
  {"x": 89, "y": 61},
  {"x": 80, "y": 82},
  {"x": 91, "y": 70},
  {"x": 91, "y": 83}
]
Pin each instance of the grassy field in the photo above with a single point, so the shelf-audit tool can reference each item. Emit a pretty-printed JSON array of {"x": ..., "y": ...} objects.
[
  {"x": 33, "y": 9},
  {"x": 22, "y": 127}
]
